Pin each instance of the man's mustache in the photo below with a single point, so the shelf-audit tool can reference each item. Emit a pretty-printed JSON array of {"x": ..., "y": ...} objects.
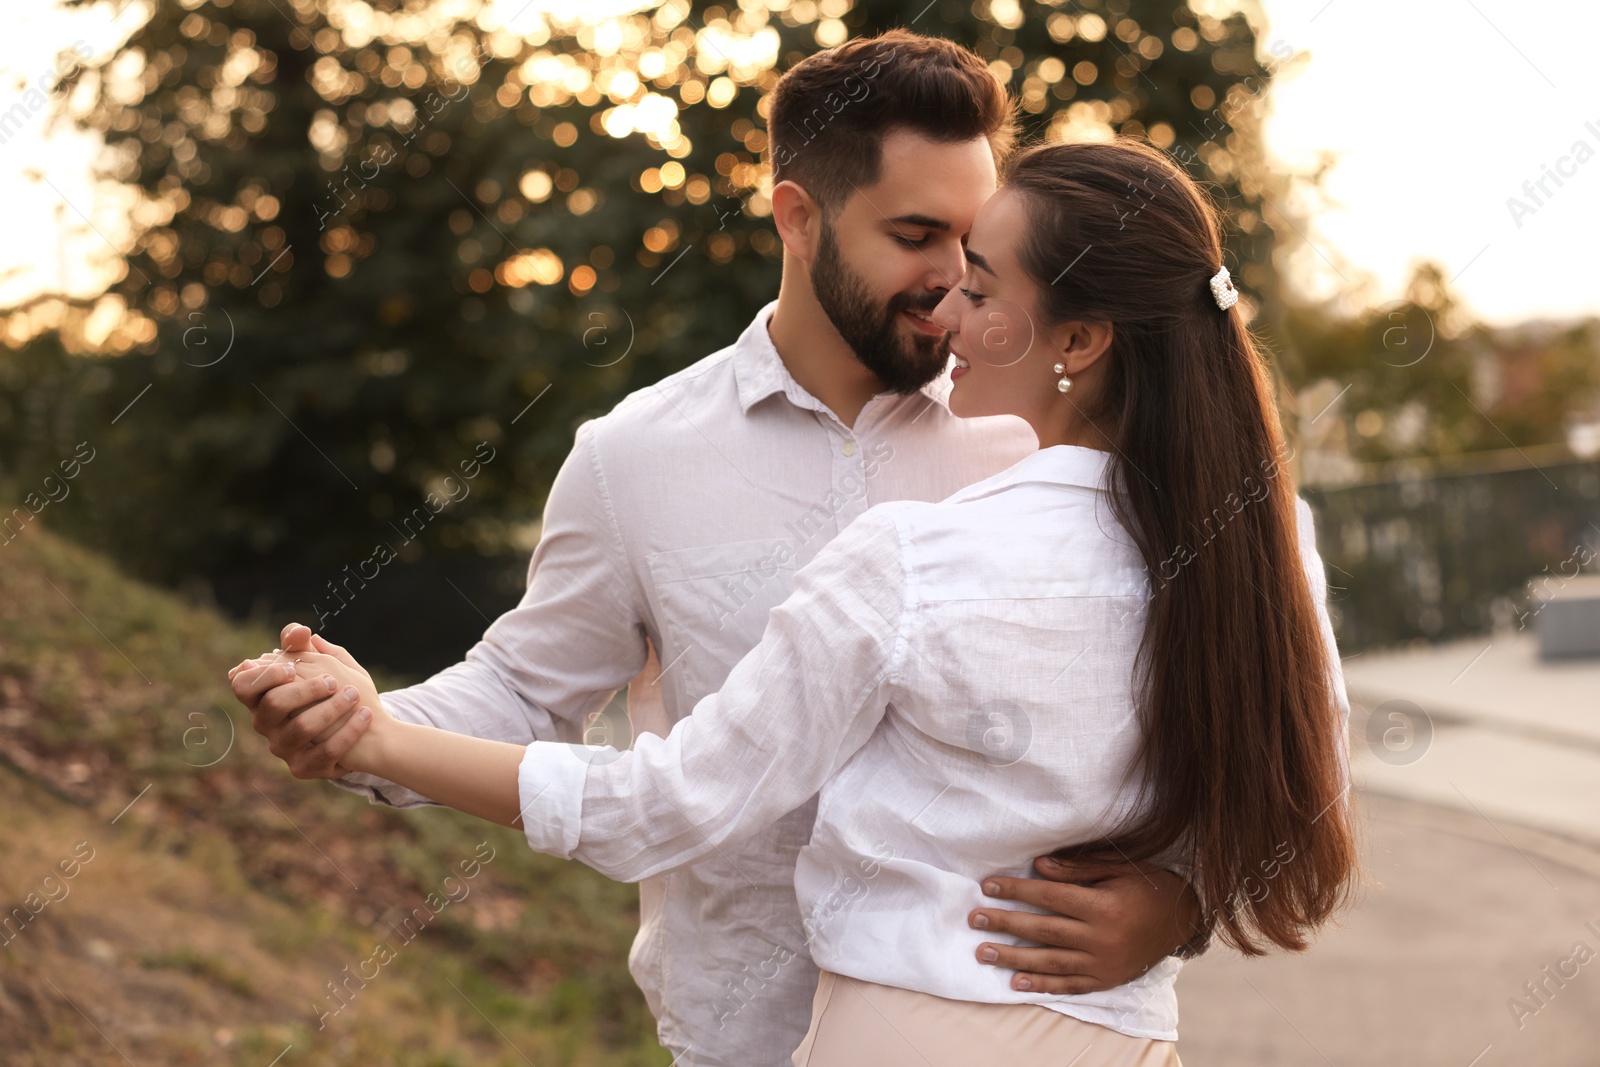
[{"x": 902, "y": 302}]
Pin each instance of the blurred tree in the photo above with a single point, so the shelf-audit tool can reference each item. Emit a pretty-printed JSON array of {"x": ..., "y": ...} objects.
[
  {"x": 372, "y": 234},
  {"x": 1425, "y": 380},
  {"x": 1561, "y": 382}
]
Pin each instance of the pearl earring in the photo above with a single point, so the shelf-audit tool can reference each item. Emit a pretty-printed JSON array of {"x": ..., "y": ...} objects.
[{"x": 1065, "y": 384}]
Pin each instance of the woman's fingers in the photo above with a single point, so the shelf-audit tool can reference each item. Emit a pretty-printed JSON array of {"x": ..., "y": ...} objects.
[
  {"x": 251, "y": 683},
  {"x": 323, "y": 645}
]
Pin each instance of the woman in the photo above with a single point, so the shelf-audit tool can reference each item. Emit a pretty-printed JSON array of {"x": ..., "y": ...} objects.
[{"x": 1118, "y": 641}]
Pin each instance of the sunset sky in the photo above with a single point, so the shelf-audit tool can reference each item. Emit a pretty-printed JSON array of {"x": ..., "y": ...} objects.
[
  {"x": 1438, "y": 112},
  {"x": 1437, "y": 115}
]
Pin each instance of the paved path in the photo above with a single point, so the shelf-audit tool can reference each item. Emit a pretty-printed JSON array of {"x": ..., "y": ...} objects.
[
  {"x": 1512, "y": 738},
  {"x": 1456, "y": 918},
  {"x": 1481, "y": 804}
]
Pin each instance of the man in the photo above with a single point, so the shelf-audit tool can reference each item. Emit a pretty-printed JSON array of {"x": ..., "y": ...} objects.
[{"x": 679, "y": 520}]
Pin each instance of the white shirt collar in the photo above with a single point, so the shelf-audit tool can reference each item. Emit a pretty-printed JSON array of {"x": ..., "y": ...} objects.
[
  {"x": 1068, "y": 465},
  {"x": 1089, "y": 468},
  {"x": 759, "y": 371}
]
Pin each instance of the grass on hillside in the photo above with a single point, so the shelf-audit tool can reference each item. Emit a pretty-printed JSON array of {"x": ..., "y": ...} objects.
[{"x": 223, "y": 895}]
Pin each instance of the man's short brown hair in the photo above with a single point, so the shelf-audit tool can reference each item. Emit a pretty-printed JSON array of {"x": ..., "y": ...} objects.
[{"x": 829, "y": 113}]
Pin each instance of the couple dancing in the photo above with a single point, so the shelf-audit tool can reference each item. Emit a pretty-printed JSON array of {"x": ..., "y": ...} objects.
[{"x": 940, "y": 635}]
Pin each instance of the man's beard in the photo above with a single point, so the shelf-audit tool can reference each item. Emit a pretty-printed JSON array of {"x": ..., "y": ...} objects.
[{"x": 873, "y": 331}]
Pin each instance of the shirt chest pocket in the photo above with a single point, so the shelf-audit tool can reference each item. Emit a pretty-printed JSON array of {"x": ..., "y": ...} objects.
[{"x": 712, "y": 603}]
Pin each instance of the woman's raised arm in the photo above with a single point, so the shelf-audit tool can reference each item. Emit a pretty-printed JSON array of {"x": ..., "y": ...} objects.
[{"x": 789, "y": 715}]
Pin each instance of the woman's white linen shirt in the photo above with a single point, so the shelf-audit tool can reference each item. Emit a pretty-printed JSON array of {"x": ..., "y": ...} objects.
[{"x": 956, "y": 680}]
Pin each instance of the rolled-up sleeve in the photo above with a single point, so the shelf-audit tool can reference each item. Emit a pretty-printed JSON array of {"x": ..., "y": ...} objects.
[
  {"x": 790, "y": 714},
  {"x": 544, "y": 667}
]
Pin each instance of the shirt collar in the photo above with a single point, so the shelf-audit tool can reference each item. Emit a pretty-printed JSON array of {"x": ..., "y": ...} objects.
[
  {"x": 1074, "y": 464},
  {"x": 759, "y": 372},
  {"x": 1056, "y": 465},
  {"x": 1070, "y": 465}
]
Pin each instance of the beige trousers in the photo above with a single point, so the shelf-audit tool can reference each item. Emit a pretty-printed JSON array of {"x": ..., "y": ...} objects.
[{"x": 862, "y": 1024}]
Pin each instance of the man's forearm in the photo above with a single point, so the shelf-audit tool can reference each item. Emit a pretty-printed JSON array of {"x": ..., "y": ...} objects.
[{"x": 470, "y": 774}]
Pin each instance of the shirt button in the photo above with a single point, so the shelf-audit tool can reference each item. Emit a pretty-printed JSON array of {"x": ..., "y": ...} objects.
[{"x": 849, "y": 448}]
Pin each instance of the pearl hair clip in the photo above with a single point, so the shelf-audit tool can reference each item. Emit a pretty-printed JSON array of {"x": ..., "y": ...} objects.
[{"x": 1222, "y": 290}]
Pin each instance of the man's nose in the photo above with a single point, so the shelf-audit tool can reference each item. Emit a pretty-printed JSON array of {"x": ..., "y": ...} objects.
[{"x": 948, "y": 263}]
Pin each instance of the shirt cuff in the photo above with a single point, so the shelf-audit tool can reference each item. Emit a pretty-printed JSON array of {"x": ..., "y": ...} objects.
[
  {"x": 382, "y": 791},
  {"x": 550, "y": 793}
]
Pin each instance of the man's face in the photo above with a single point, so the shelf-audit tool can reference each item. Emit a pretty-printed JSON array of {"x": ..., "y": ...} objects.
[{"x": 886, "y": 260}]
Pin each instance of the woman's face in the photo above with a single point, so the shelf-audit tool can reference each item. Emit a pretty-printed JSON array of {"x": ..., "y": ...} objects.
[{"x": 993, "y": 330}]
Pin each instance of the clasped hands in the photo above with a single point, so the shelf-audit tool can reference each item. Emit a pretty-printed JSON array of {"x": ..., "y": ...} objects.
[{"x": 312, "y": 702}]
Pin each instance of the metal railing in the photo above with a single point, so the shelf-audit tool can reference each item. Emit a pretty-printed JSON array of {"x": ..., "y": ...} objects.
[{"x": 1434, "y": 553}]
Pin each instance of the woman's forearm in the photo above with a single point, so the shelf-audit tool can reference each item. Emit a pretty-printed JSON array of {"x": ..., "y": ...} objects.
[{"x": 470, "y": 774}]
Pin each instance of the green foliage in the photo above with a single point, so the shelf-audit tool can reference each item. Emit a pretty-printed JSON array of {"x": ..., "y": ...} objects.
[
  {"x": 342, "y": 300},
  {"x": 1425, "y": 381}
]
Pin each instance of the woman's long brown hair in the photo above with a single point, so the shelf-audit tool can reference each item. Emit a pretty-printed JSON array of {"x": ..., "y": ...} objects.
[{"x": 1242, "y": 755}]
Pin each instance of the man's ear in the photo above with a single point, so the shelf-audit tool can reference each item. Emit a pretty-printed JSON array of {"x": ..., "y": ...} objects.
[{"x": 798, "y": 218}]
